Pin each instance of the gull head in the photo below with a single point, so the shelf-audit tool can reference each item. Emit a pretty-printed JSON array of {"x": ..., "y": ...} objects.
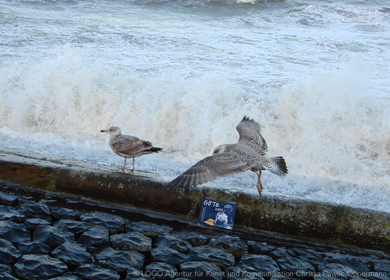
[
  {"x": 222, "y": 149},
  {"x": 113, "y": 130}
]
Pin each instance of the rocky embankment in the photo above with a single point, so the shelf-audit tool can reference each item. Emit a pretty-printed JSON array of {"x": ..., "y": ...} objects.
[{"x": 40, "y": 240}]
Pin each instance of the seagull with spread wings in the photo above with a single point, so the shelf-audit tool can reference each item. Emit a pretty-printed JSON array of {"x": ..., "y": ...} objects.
[
  {"x": 247, "y": 154},
  {"x": 128, "y": 146}
]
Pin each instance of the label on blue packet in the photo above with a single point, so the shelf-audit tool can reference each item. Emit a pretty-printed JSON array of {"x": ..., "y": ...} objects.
[{"x": 217, "y": 213}]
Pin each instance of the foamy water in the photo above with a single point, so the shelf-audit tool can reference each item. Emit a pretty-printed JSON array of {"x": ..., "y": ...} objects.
[{"x": 182, "y": 74}]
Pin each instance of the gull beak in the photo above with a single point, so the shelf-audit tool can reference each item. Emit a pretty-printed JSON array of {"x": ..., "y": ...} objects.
[{"x": 103, "y": 130}]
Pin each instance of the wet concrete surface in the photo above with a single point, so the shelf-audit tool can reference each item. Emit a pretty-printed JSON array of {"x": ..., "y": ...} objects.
[{"x": 78, "y": 238}]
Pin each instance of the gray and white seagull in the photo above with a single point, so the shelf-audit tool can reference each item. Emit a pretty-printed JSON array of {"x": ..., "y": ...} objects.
[
  {"x": 247, "y": 154},
  {"x": 128, "y": 146}
]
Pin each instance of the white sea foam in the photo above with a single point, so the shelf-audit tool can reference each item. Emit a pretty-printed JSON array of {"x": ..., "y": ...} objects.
[{"x": 334, "y": 136}]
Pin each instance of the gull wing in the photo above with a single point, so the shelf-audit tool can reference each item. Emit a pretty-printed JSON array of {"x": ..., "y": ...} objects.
[
  {"x": 130, "y": 145},
  {"x": 249, "y": 131},
  {"x": 210, "y": 168}
]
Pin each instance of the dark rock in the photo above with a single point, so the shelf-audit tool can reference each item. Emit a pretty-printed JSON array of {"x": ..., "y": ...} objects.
[
  {"x": 76, "y": 227},
  {"x": 114, "y": 223},
  {"x": 300, "y": 268},
  {"x": 94, "y": 272},
  {"x": 136, "y": 274},
  {"x": 160, "y": 270},
  {"x": 72, "y": 254},
  {"x": 312, "y": 257},
  {"x": 10, "y": 214},
  {"x": 64, "y": 213},
  {"x": 357, "y": 264},
  {"x": 168, "y": 255},
  {"x": 378, "y": 277},
  {"x": 5, "y": 268},
  {"x": 149, "y": 229},
  {"x": 133, "y": 241},
  {"x": 260, "y": 248},
  {"x": 36, "y": 210},
  {"x": 230, "y": 244},
  {"x": 33, "y": 247},
  {"x": 94, "y": 238},
  {"x": 356, "y": 278},
  {"x": 66, "y": 276},
  {"x": 337, "y": 270},
  {"x": 8, "y": 253},
  {"x": 262, "y": 264},
  {"x": 236, "y": 272},
  {"x": 321, "y": 276},
  {"x": 39, "y": 267},
  {"x": 120, "y": 260},
  {"x": 201, "y": 270},
  {"x": 211, "y": 255},
  {"x": 32, "y": 223},
  {"x": 52, "y": 236},
  {"x": 302, "y": 254},
  {"x": 8, "y": 199},
  {"x": 25, "y": 199},
  {"x": 279, "y": 253},
  {"x": 281, "y": 277},
  {"x": 14, "y": 232},
  {"x": 172, "y": 242},
  {"x": 382, "y": 266},
  {"x": 194, "y": 238},
  {"x": 7, "y": 276}
]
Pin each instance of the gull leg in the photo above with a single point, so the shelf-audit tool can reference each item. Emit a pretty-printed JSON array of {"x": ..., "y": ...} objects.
[
  {"x": 124, "y": 165},
  {"x": 259, "y": 185},
  {"x": 133, "y": 164}
]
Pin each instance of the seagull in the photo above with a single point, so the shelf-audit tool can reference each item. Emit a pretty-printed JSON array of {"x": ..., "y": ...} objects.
[
  {"x": 128, "y": 146},
  {"x": 247, "y": 154}
]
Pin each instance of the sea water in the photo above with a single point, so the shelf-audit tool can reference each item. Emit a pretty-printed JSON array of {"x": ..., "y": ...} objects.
[{"x": 183, "y": 73}]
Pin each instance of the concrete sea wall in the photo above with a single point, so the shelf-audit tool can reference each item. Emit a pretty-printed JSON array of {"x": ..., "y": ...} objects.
[{"x": 273, "y": 213}]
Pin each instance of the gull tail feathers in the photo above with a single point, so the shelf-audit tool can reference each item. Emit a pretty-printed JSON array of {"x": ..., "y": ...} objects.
[
  {"x": 277, "y": 166},
  {"x": 154, "y": 150}
]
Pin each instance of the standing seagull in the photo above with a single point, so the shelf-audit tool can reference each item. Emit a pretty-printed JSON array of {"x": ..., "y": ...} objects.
[
  {"x": 128, "y": 146},
  {"x": 247, "y": 154}
]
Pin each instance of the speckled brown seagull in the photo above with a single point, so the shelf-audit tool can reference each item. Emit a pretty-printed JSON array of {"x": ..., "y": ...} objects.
[
  {"x": 247, "y": 154},
  {"x": 128, "y": 146}
]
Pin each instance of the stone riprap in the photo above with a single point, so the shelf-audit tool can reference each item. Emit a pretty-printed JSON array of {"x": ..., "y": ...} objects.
[{"x": 42, "y": 241}]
